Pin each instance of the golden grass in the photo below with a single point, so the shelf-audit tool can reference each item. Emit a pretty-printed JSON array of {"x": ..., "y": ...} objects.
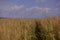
[{"x": 30, "y": 29}]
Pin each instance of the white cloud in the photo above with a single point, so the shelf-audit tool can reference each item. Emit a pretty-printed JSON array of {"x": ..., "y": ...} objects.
[
  {"x": 16, "y": 7},
  {"x": 31, "y": 8},
  {"x": 12, "y": 7},
  {"x": 46, "y": 10},
  {"x": 21, "y": 10},
  {"x": 41, "y": 9}
]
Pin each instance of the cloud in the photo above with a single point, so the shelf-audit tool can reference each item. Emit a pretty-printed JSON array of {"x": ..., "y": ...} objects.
[
  {"x": 31, "y": 8},
  {"x": 22, "y": 10},
  {"x": 9, "y": 10},
  {"x": 46, "y": 9},
  {"x": 41, "y": 9},
  {"x": 16, "y": 7},
  {"x": 11, "y": 7}
]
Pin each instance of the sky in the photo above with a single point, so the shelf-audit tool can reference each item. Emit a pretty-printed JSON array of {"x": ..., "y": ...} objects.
[{"x": 29, "y": 8}]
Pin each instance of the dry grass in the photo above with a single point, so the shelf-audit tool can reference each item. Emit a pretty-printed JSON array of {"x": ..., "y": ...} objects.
[{"x": 30, "y": 29}]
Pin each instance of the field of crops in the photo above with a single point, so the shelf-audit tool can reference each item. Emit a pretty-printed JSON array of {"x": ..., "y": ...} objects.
[{"x": 30, "y": 29}]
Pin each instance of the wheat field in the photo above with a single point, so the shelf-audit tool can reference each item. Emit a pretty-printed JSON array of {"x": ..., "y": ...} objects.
[{"x": 30, "y": 29}]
